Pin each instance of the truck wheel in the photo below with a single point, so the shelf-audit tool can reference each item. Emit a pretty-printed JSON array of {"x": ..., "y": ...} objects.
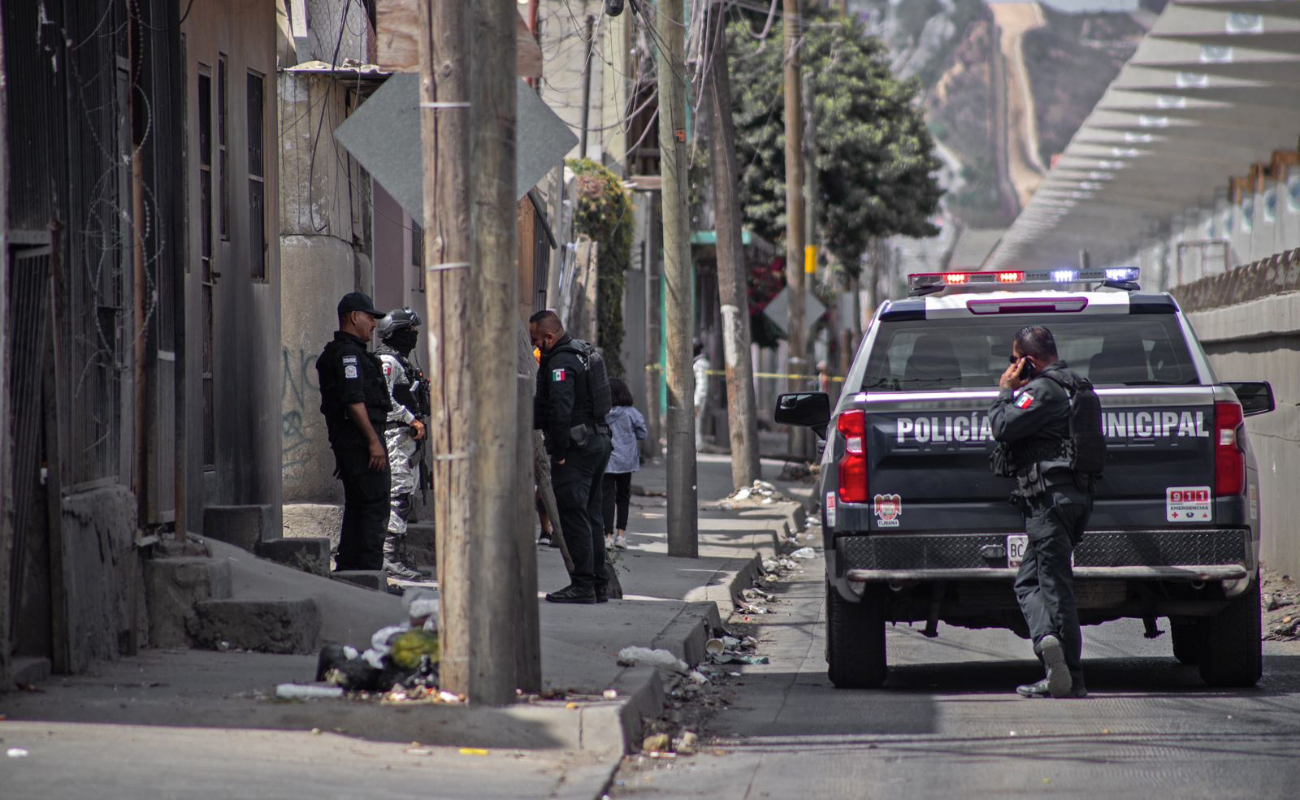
[
  {"x": 1231, "y": 651},
  {"x": 1186, "y": 635},
  {"x": 855, "y": 639}
]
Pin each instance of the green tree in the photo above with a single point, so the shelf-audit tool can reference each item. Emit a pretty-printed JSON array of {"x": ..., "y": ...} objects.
[
  {"x": 604, "y": 212},
  {"x": 875, "y": 164}
]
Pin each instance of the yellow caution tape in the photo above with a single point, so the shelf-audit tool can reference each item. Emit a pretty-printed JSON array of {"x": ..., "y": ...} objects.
[
  {"x": 473, "y": 751},
  {"x": 768, "y": 375}
]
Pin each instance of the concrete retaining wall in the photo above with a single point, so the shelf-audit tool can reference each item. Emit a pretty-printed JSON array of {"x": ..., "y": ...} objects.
[
  {"x": 105, "y": 576},
  {"x": 1260, "y": 340}
]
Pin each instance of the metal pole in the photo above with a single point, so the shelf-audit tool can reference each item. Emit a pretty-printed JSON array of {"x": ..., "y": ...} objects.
[
  {"x": 586, "y": 86},
  {"x": 683, "y": 522},
  {"x": 794, "y": 211}
]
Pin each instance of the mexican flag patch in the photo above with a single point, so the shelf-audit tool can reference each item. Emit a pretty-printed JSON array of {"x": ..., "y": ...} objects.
[
  {"x": 558, "y": 375},
  {"x": 1025, "y": 400}
]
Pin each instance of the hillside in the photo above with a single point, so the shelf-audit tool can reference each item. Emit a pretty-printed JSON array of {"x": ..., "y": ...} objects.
[{"x": 1006, "y": 86}]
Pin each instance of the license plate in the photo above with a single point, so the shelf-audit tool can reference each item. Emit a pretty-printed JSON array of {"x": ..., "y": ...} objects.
[{"x": 1017, "y": 544}]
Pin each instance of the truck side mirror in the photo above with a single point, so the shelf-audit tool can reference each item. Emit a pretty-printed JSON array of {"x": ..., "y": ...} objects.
[
  {"x": 805, "y": 409},
  {"x": 1256, "y": 397}
]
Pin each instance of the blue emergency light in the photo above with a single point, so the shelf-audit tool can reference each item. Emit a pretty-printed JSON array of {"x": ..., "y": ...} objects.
[{"x": 922, "y": 283}]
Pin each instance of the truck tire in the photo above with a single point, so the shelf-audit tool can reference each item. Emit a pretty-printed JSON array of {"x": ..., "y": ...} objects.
[
  {"x": 1186, "y": 636},
  {"x": 1231, "y": 650},
  {"x": 855, "y": 639}
]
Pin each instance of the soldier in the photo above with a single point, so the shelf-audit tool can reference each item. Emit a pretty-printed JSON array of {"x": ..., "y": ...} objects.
[
  {"x": 355, "y": 402},
  {"x": 409, "y": 393},
  {"x": 1031, "y": 418}
]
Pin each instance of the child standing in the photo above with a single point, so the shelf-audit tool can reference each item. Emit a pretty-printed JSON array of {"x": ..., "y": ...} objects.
[{"x": 627, "y": 427}]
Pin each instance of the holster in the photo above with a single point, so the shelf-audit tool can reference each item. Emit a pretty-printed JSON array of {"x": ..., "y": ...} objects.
[{"x": 578, "y": 435}]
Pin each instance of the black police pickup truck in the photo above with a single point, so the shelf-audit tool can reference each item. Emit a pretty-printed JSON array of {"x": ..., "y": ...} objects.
[{"x": 918, "y": 529}]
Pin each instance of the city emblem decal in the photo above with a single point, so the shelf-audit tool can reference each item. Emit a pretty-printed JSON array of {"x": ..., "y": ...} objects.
[{"x": 888, "y": 507}]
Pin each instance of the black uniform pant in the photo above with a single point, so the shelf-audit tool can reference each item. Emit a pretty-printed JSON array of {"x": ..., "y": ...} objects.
[
  {"x": 577, "y": 485},
  {"x": 365, "y": 510},
  {"x": 1044, "y": 586},
  {"x": 617, "y": 496}
]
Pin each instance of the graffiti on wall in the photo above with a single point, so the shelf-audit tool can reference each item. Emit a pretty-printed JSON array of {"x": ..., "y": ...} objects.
[{"x": 299, "y": 397}]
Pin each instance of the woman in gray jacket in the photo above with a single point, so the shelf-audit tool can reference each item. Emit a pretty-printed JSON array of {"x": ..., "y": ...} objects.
[{"x": 626, "y": 427}]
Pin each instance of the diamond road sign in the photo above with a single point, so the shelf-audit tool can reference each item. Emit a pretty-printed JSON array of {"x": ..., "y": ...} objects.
[
  {"x": 779, "y": 309},
  {"x": 384, "y": 135}
]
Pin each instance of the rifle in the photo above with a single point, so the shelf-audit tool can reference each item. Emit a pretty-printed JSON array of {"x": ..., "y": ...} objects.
[{"x": 424, "y": 409}]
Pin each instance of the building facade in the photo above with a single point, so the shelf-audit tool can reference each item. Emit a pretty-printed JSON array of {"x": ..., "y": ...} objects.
[{"x": 139, "y": 304}]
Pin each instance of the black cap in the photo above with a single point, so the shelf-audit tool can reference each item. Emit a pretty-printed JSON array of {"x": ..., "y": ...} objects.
[{"x": 358, "y": 301}]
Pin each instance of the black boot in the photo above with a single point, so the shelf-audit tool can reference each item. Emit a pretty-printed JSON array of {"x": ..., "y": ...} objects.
[{"x": 572, "y": 594}]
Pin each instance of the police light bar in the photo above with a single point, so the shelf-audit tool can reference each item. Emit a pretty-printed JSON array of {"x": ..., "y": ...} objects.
[{"x": 1117, "y": 277}]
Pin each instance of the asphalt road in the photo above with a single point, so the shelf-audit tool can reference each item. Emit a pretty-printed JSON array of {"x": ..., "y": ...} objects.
[{"x": 949, "y": 725}]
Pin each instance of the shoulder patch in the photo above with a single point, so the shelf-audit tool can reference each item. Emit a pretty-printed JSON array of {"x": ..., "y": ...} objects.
[
  {"x": 350, "y": 371},
  {"x": 559, "y": 375},
  {"x": 349, "y": 359},
  {"x": 1024, "y": 401}
]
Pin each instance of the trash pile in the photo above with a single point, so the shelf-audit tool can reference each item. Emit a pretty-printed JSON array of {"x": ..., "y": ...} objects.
[
  {"x": 761, "y": 493},
  {"x": 728, "y": 649},
  {"x": 401, "y": 664},
  {"x": 1280, "y": 601}
]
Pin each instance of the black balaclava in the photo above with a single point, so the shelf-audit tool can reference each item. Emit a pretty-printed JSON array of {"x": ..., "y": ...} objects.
[{"x": 404, "y": 340}]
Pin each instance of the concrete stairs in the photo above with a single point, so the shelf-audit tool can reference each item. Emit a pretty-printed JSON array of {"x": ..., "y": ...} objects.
[{"x": 225, "y": 598}]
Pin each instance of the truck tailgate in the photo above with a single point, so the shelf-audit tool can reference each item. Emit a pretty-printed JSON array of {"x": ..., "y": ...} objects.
[{"x": 928, "y": 453}]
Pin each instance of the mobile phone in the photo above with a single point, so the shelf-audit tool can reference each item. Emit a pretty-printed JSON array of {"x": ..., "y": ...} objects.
[{"x": 1028, "y": 370}]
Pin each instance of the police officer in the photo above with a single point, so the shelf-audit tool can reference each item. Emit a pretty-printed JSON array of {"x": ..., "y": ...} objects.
[
  {"x": 1031, "y": 418},
  {"x": 404, "y": 428},
  {"x": 579, "y": 446},
  {"x": 355, "y": 402}
]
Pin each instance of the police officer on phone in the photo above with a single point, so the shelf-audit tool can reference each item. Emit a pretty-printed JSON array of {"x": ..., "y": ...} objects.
[
  {"x": 1038, "y": 431},
  {"x": 570, "y": 406},
  {"x": 355, "y": 402}
]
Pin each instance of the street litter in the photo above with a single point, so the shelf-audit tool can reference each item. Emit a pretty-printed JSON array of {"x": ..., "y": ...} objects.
[
  {"x": 714, "y": 646},
  {"x": 404, "y": 656},
  {"x": 302, "y": 691},
  {"x": 656, "y": 743},
  {"x": 688, "y": 744},
  {"x": 17, "y": 752},
  {"x": 610, "y": 694},
  {"x": 644, "y": 656},
  {"x": 760, "y": 492},
  {"x": 698, "y": 677},
  {"x": 804, "y": 553},
  {"x": 738, "y": 658}
]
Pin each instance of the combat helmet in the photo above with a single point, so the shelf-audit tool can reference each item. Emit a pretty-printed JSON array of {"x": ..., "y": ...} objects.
[{"x": 396, "y": 320}]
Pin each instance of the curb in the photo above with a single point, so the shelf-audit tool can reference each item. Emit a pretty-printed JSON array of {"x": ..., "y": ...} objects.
[{"x": 641, "y": 688}]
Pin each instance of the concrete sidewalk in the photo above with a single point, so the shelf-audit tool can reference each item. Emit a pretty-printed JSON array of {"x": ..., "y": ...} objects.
[{"x": 194, "y": 696}]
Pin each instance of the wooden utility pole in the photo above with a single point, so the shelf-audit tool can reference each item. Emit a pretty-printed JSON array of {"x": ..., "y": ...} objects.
[
  {"x": 794, "y": 212},
  {"x": 683, "y": 524},
  {"x": 494, "y": 388},
  {"x": 444, "y": 125},
  {"x": 732, "y": 289}
]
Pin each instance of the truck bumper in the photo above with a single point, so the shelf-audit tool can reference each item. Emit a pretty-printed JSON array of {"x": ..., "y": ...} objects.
[
  {"x": 1202, "y": 572},
  {"x": 1215, "y": 554}
]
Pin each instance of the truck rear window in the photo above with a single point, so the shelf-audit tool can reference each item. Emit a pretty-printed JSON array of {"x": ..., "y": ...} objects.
[{"x": 1126, "y": 350}]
